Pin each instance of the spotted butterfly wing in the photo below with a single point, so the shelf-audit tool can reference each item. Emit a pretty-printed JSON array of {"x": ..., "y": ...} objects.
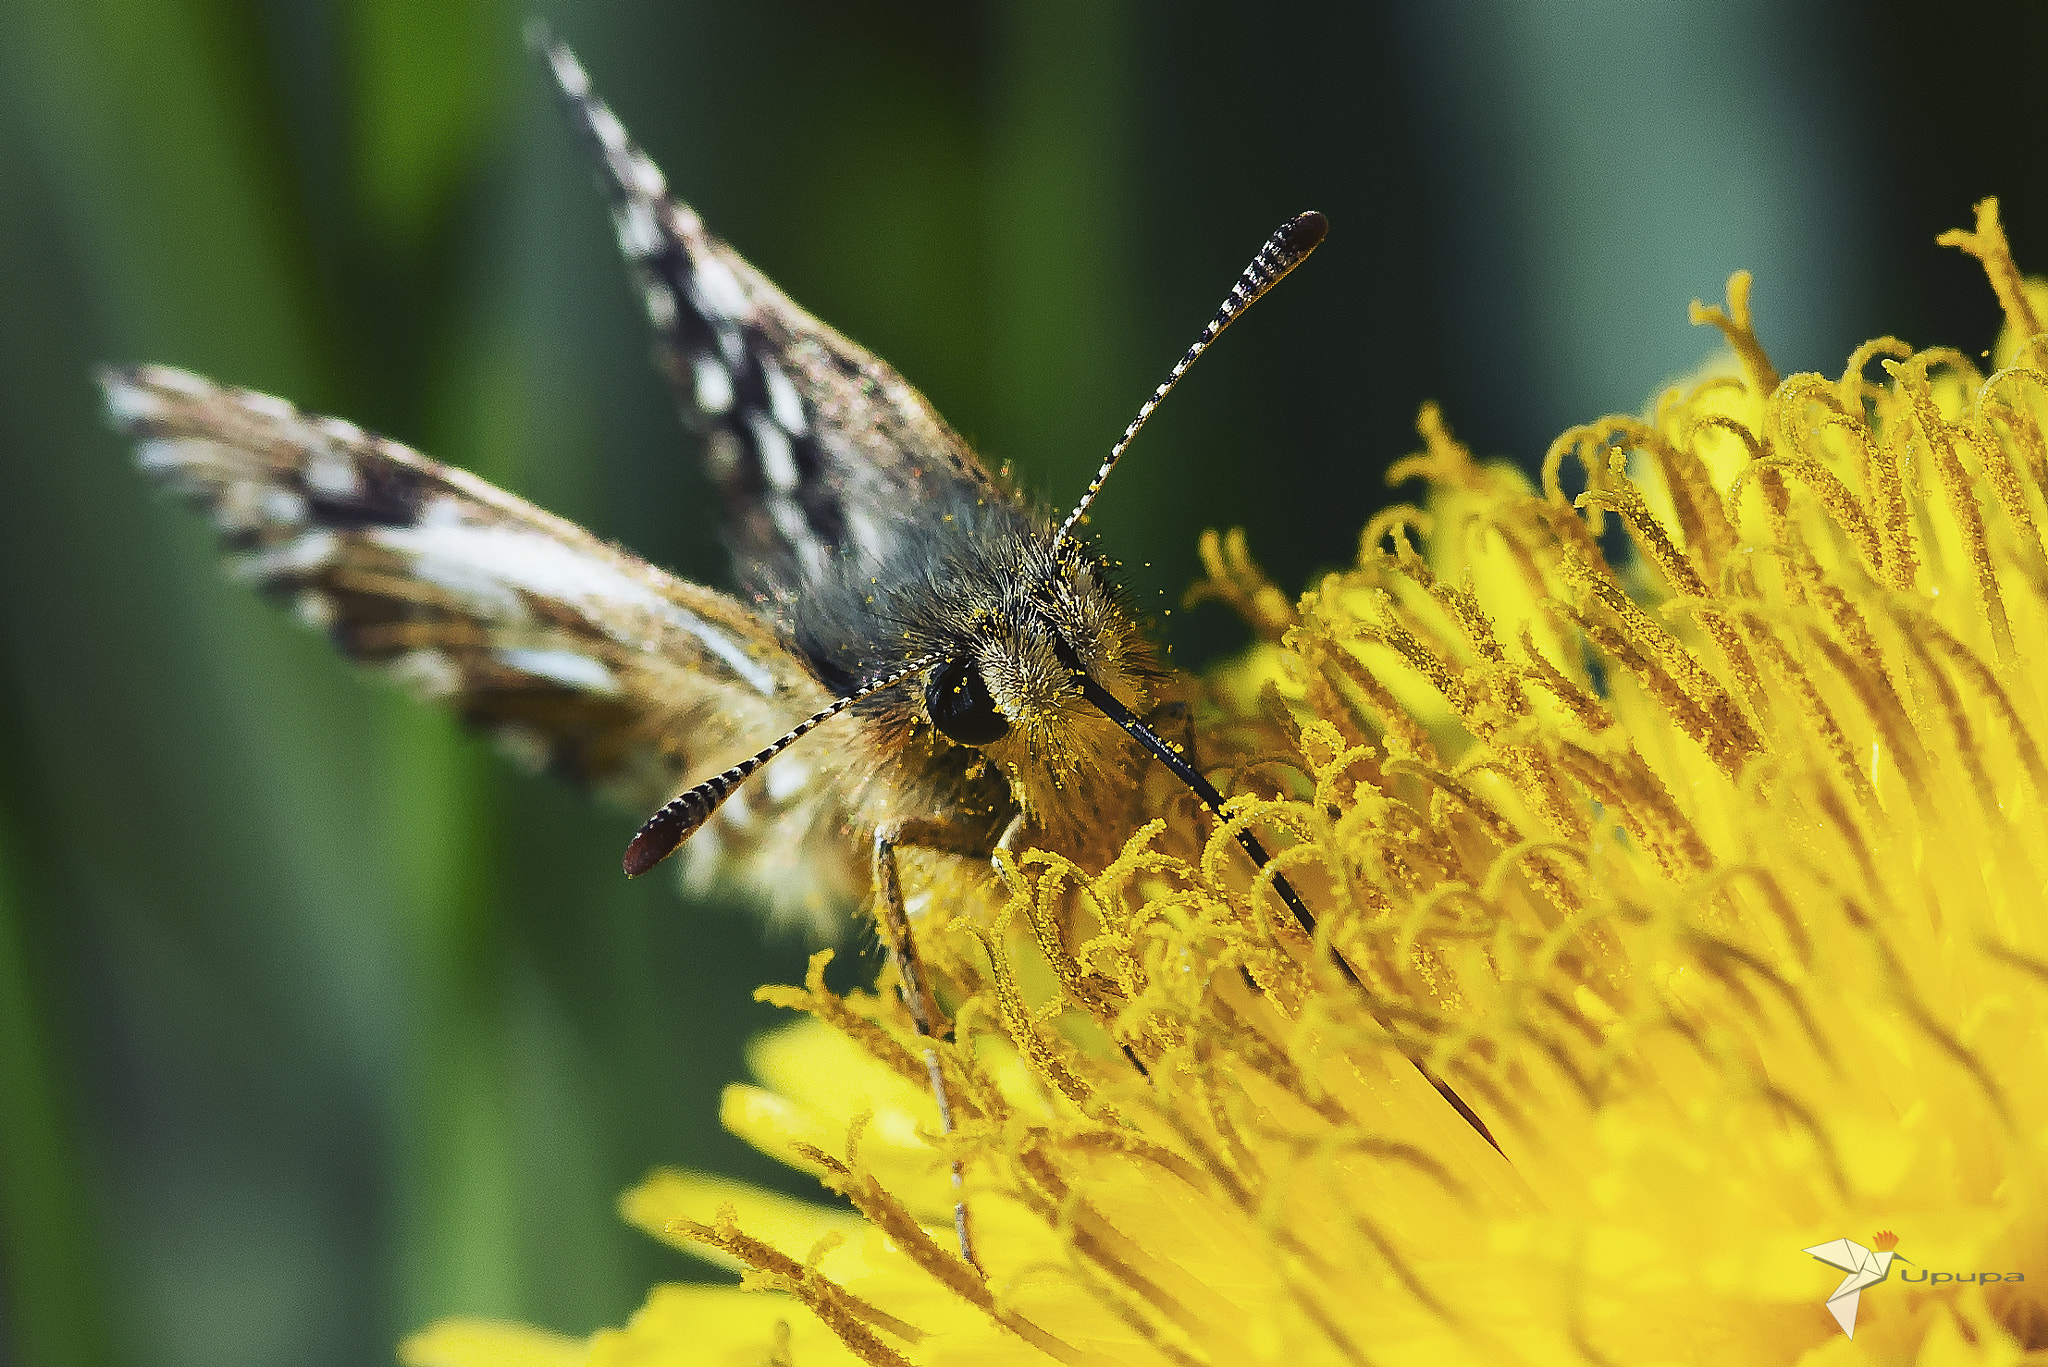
[
  {"x": 575, "y": 655},
  {"x": 820, "y": 450},
  {"x": 870, "y": 536}
]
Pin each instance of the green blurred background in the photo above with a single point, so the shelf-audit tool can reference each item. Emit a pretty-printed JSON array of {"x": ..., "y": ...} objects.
[{"x": 315, "y": 1022}]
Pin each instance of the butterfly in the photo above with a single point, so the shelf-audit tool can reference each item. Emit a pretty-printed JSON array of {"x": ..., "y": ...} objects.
[{"x": 999, "y": 687}]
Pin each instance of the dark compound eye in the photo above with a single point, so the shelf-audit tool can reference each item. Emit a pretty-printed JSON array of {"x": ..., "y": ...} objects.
[{"x": 961, "y": 707}]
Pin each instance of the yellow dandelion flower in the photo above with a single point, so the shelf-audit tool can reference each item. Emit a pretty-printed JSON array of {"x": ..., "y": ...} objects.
[{"x": 1712, "y": 882}]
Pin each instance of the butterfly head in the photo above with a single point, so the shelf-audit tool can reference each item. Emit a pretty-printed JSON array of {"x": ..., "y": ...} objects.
[
  {"x": 1079, "y": 661},
  {"x": 1007, "y": 615},
  {"x": 1007, "y": 681},
  {"x": 1024, "y": 650}
]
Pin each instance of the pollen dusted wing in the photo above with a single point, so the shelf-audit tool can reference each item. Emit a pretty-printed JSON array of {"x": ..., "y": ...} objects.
[
  {"x": 575, "y": 655},
  {"x": 818, "y": 446}
]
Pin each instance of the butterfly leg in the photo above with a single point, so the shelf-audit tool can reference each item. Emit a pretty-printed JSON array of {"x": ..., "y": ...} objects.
[
  {"x": 1006, "y": 844},
  {"x": 931, "y": 1024}
]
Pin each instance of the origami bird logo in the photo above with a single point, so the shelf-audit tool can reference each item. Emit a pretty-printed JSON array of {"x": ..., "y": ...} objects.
[{"x": 1866, "y": 1267}]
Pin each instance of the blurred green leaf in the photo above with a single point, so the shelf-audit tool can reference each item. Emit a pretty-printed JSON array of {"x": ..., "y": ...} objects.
[
  {"x": 429, "y": 88},
  {"x": 49, "y": 1268}
]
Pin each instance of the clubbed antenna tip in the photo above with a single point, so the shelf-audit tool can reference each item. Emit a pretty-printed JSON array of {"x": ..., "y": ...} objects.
[{"x": 1287, "y": 248}]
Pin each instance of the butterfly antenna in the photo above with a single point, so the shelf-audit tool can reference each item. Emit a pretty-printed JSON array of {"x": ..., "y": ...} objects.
[
  {"x": 1287, "y": 248},
  {"x": 680, "y": 817}
]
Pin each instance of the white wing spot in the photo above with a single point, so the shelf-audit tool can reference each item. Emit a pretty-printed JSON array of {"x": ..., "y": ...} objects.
[
  {"x": 714, "y": 386},
  {"x": 281, "y": 507},
  {"x": 490, "y": 566},
  {"x": 441, "y": 511},
  {"x": 639, "y": 235},
  {"x": 725, "y": 648},
  {"x": 427, "y": 672},
  {"x": 267, "y": 405},
  {"x": 163, "y": 455},
  {"x": 789, "y": 520},
  {"x": 778, "y": 461},
  {"x": 178, "y": 382},
  {"x": 127, "y": 405},
  {"x": 731, "y": 345},
  {"x": 609, "y": 130},
  {"x": 784, "y": 401},
  {"x": 661, "y": 306},
  {"x": 301, "y": 555},
  {"x": 682, "y": 219},
  {"x": 569, "y": 72},
  {"x": 331, "y": 474},
  {"x": 567, "y": 667},
  {"x": 315, "y": 608},
  {"x": 718, "y": 289},
  {"x": 646, "y": 177},
  {"x": 239, "y": 506},
  {"x": 343, "y": 431},
  {"x": 480, "y": 565}
]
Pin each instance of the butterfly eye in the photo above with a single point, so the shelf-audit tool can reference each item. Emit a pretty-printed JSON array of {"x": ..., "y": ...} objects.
[{"x": 961, "y": 707}]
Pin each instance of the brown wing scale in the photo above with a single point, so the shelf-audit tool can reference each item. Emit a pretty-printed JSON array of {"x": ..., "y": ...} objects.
[
  {"x": 819, "y": 448},
  {"x": 576, "y": 656}
]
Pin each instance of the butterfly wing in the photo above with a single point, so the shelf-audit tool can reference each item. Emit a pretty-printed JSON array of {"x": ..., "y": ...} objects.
[
  {"x": 575, "y": 655},
  {"x": 819, "y": 448}
]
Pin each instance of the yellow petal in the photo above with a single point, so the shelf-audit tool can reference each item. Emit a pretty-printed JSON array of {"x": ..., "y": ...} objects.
[
  {"x": 490, "y": 1343},
  {"x": 669, "y": 1199},
  {"x": 713, "y": 1326}
]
